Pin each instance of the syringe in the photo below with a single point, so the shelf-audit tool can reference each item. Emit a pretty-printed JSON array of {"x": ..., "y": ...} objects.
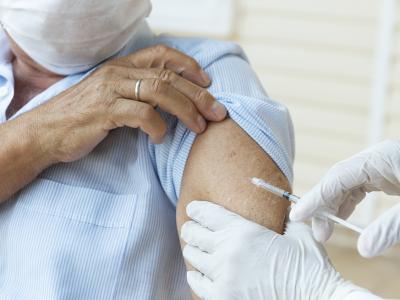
[{"x": 284, "y": 194}]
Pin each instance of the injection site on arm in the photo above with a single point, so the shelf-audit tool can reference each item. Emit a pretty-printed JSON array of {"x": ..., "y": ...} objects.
[{"x": 293, "y": 198}]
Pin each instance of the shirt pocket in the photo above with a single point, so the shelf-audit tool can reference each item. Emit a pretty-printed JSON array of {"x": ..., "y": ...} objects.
[{"x": 66, "y": 242}]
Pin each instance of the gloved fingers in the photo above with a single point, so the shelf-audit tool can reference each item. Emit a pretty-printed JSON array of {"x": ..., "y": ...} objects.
[
  {"x": 305, "y": 207},
  {"x": 200, "y": 260},
  {"x": 325, "y": 195},
  {"x": 346, "y": 210},
  {"x": 322, "y": 229},
  {"x": 293, "y": 228},
  {"x": 383, "y": 233},
  {"x": 198, "y": 236},
  {"x": 210, "y": 215},
  {"x": 303, "y": 236},
  {"x": 333, "y": 190},
  {"x": 200, "y": 284},
  {"x": 299, "y": 231},
  {"x": 371, "y": 170},
  {"x": 347, "y": 290},
  {"x": 348, "y": 206}
]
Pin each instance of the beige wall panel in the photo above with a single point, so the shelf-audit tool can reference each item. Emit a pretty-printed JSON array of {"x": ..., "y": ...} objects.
[
  {"x": 398, "y": 9},
  {"x": 307, "y": 175},
  {"x": 339, "y": 8},
  {"x": 385, "y": 202},
  {"x": 322, "y": 150},
  {"x": 308, "y": 31},
  {"x": 328, "y": 94},
  {"x": 396, "y": 47},
  {"x": 393, "y": 129},
  {"x": 328, "y": 122},
  {"x": 393, "y": 126},
  {"x": 317, "y": 57},
  {"x": 395, "y": 80},
  {"x": 328, "y": 63},
  {"x": 393, "y": 105}
]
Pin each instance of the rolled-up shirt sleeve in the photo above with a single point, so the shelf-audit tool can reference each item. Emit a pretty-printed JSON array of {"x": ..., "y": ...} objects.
[{"x": 235, "y": 85}]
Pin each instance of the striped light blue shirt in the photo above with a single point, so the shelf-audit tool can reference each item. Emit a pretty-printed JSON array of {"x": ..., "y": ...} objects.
[{"x": 104, "y": 227}]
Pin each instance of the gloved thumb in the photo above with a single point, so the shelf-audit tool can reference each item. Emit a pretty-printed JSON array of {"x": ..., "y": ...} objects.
[
  {"x": 383, "y": 233},
  {"x": 304, "y": 208}
]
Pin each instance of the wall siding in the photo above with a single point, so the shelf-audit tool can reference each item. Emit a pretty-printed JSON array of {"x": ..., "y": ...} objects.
[{"x": 317, "y": 57}]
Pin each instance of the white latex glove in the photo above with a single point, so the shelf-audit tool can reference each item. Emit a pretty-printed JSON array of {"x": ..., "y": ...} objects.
[
  {"x": 345, "y": 185},
  {"x": 239, "y": 259}
]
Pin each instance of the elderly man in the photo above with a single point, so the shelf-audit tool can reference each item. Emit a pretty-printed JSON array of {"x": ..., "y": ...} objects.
[{"x": 99, "y": 139}]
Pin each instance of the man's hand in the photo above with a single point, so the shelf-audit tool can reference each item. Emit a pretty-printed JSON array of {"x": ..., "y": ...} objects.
[
  {"x": 73, "y": 123},
  {"x": 70, "y": 125},
  {"x": 346, "y": 184},
  {"x": 239, "y": 259}
]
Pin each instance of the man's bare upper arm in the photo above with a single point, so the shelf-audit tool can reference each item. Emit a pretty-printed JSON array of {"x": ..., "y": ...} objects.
[{"x": 220, "y": 166}]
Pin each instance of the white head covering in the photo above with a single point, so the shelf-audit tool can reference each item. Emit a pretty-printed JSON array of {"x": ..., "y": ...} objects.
[{"x": 72, "y": 36}]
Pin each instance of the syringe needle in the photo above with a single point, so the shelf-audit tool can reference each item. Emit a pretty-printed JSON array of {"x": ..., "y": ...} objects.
[{"x": 293, "y": 198}]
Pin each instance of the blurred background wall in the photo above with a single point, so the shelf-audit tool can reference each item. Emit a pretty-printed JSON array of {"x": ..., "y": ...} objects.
[{"x": 336, "y": 65}]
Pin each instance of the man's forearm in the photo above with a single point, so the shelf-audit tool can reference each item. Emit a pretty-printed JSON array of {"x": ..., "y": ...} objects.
[{"x": 21, "y": 157}]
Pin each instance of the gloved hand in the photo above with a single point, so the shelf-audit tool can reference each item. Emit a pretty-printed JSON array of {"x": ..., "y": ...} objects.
[
  {"x": 239, "y": 259},
  {"x": 345, "y": 185}
]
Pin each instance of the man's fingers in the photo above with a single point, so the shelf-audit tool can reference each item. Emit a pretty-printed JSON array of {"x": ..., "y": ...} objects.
[
  {"x": 205, "y": 103},
  {"x": 210, "y": 215},
  {"x": 200, "y": 284},
  {"x": 198, "y": 236},
  {"x": 183, "y": 65},
  {"x": 161, "y": 56},
  {"x": 191, "y": 70},
  {"x": 174, "y": 102},
  {"x": 200, "y": 260},
  {"x": 382, "y": 234},
  {"x": 156, "y": 92},
  {"x": 139, "y": 115}
]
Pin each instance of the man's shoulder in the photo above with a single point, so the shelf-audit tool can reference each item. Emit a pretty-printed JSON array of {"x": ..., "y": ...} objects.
[{"x": 205, "y": 51}]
